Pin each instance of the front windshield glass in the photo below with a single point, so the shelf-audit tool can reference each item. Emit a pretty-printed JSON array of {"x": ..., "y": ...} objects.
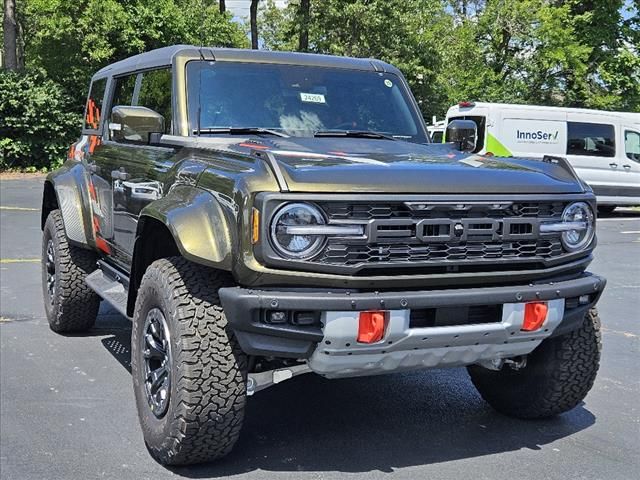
[{"x": 299, "y": 100}]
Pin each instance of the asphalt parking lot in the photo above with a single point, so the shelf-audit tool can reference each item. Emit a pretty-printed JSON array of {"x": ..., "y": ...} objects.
[{"x": 67, "y": 408}]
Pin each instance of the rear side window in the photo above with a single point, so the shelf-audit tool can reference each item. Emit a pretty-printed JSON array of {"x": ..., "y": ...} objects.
[
  {"x": 591, "y": 139},
  {"x": 632, "y": 145},
  {"x": 94, "y": 104},
  {"x": 155, "y": 93}
]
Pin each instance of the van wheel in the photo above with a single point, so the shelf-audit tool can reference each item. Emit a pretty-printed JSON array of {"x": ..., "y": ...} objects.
[
  {"x": 557, "y": 376},
  {"x": 69, "y": 303},
  {"x": 189, "y": 373}
]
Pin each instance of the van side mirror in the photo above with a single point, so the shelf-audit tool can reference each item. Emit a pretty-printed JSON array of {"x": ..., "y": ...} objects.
[
  {"x": 134, "y": 124},
  {"x": 464, "y": 133}
]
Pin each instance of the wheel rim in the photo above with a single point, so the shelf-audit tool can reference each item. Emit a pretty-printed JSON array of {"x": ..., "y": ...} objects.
[
  {"x": 50, "y": 265},
  {"x": 156, "y": 353}
]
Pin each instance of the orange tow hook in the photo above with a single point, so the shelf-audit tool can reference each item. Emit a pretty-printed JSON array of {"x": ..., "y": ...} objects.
[
  {"x": 371, "y": 326},
  {"x": 535, "y": 313}
]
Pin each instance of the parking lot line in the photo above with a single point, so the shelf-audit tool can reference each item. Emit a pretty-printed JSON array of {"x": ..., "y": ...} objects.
[
  {"x": 20, "y": 209},
  {"x": 19, "y": 260}
]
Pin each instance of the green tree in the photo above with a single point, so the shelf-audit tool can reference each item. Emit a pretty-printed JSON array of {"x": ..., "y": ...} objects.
[
  {"x": 72, "y": 40},
  {"x": 403, "y": 32}
]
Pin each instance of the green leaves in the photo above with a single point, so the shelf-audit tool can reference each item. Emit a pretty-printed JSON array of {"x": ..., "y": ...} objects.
[{"x": 36, "y": 123}]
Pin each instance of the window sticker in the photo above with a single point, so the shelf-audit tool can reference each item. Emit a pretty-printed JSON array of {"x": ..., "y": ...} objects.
[
  {"x": 388, "y": 82},
  {"x": 312, "y": 97}
]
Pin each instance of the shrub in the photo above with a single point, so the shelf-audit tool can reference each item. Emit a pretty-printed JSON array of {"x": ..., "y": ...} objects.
[{"x": 36, "y": 126}]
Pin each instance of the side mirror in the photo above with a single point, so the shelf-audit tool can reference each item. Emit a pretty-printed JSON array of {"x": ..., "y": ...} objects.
[
  {"x": 134, "y": 124},
  {"x": 464, "y": 133}
]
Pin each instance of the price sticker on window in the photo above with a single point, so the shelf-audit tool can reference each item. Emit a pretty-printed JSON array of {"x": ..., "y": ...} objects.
[{"x": 312, "y": 97}]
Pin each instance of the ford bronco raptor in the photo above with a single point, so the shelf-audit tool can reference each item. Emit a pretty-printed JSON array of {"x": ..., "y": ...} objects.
[{"x": 260, "y": 215}]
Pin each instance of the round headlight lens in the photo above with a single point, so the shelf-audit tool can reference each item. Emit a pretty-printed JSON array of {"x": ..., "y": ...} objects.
[
  {"x": 296, "y": 245},
  {"x": 581, "y": 215}
]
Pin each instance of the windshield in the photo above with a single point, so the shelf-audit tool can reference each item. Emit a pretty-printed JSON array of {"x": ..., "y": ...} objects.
[{"x": 299, "y": 100}]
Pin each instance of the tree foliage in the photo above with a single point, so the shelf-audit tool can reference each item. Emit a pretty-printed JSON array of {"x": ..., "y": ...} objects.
[
  {"x": 563, "y": 52},
  {"x": 36, "y": 121},
  {"x": 582, "y": 53}
]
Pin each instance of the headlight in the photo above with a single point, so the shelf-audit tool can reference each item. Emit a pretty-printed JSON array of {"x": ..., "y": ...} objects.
[
  {"x": 296, "y": 242},
  {"x": 578, "y": 219}
]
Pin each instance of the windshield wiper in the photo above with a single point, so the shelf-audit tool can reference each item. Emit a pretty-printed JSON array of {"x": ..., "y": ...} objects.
[
  {"x": 352, "y": 134},
  {"x": 240, "y": 131}
]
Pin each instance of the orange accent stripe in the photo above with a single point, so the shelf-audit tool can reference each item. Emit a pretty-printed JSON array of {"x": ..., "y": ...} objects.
[{"x": 102, "y": 244}]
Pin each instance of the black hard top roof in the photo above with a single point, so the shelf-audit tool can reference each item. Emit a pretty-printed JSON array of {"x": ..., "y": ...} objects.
[{"x": 164, "y": 56}]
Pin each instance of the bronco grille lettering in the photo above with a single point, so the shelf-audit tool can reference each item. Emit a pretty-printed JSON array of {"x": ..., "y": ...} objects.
[{"x": 453, "y": 230}]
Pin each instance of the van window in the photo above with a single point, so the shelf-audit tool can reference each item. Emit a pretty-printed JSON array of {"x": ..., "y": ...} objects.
[
  {"x": 632, "y": 145},
  {"x": 480, "y": 123},
  {"x": 155, "y": 93},
  {"x": 591, "y": 139},
  {"x": 94, "y": 104}
]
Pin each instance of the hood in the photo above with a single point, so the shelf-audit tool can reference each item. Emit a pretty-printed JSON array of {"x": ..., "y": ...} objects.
[{"x": 351, "y": 165}]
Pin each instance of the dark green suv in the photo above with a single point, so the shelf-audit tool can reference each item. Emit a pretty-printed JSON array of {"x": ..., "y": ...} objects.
[{"x": 260, "y": 215}]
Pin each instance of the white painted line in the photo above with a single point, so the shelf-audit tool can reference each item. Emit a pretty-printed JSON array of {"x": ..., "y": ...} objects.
[
  {"x": 626, "y": 219},
  {"x": 631, "y": 232},
  {"x": 20, "y": 209}
]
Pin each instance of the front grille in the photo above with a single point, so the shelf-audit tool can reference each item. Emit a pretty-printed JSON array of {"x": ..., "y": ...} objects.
[
  {"x": 368, "y": 211},
  {"x": 421, "y": 234},
  {"x": 345, "y": 254}
]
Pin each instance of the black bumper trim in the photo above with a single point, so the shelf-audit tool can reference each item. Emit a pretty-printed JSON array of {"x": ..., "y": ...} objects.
[{"x": 243, "y": 308}]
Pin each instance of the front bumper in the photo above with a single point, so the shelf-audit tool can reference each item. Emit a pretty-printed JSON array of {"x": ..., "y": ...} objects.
[{"x": 403, "y": 346}]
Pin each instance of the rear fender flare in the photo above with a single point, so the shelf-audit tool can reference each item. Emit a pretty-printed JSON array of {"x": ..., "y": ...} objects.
[{"x": 70, "y": 184}]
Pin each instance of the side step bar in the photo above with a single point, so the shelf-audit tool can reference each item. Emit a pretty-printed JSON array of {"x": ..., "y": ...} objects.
[{"x": 110, "y": 284}]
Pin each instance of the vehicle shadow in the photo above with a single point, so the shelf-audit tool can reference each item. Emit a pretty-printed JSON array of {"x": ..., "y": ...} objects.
[
  {"x": 621, "y": 212},
  {"x": 310, "y": 424},
  {"x": 380, "y": 424}
]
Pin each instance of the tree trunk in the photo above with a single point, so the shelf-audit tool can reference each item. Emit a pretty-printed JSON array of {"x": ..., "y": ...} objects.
[
  {"x": 303, "y": 19},
  {"x": 253, "y": 11},
  {"x": 223, "y": 6},
  {"x": 10, "y": 35}
]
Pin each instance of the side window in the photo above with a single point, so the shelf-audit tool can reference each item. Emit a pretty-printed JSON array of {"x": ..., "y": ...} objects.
[
  {"x": 123, "y": 93},
  {"x": 155, "y": 93},
  {"x": 94, "y": 104},
  {"x": 591, "y": 139},
  {"x": 632, "y": 145}
]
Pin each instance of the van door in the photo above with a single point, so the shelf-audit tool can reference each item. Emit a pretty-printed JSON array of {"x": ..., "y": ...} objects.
[
  {"x": 596, "y": 149},
  {"x": 532, "y": 133}
]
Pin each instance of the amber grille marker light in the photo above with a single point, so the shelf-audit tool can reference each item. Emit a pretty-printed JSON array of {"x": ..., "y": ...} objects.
[{"x": 255, "y": 226}]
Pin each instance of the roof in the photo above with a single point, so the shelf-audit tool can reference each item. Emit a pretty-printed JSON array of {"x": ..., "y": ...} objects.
[
  {"x": 164, "y": 57},
  {"x": 634, "y": 117}
]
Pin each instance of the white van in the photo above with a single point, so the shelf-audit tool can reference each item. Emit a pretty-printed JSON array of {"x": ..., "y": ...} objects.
[{"x": 603, "y": 147}]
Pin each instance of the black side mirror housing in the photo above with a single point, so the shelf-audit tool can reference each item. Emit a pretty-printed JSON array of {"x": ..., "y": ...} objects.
[
  {"x": 464, "y": 133},
  {"x": 134, "y": 124}
]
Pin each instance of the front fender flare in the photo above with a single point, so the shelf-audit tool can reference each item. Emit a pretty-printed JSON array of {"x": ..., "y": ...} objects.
[{"x": 201, "y": 227}]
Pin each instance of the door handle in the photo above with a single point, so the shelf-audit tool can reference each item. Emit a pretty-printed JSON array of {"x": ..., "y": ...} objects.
[
  {"x": 613, "y": 165},
  {"x": 627, "y": 167}
]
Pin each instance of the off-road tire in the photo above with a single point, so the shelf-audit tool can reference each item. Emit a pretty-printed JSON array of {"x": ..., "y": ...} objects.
[
  {"x": 208, "y": 369},
  {"x": 557, "y": 376},
  {"x": 74, "y": 306}
]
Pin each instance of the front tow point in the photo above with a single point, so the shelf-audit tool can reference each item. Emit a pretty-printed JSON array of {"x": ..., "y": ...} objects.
[
  {"x": 371, "y": 326},
  {"x": 535, "y": 314}
]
